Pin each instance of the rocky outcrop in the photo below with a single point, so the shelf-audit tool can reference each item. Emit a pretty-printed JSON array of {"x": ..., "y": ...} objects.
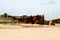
[
  {"x": 51, "y": 22},
  {"x": 38, "y": 19},
  {"x": 46, "y": 22},
  {"x": 57, "y": 20}
]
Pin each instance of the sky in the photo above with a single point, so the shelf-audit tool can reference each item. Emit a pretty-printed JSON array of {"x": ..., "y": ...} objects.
[{"x": 50, "y": 8}]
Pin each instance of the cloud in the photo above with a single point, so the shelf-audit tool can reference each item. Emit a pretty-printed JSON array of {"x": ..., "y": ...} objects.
[
  {"x": 51, "y": 2},
  {"x": 48, "y": 2}
]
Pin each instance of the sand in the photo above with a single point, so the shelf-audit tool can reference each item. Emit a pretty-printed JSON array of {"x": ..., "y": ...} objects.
[{"x": 31, "y": 33}]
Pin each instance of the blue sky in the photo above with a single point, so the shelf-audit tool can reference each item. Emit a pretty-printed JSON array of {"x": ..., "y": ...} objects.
[{"x": 50, "y": 8}]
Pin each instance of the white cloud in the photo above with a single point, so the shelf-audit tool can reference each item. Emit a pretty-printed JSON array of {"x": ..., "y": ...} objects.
[{"x": 48, "y": 2}]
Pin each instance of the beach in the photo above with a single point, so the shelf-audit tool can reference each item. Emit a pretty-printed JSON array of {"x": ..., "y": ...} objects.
[{"x": 30, "y": 33}]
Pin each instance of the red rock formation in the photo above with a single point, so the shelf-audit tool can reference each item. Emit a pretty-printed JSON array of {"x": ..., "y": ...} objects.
[{"x": 38, "y": 19}]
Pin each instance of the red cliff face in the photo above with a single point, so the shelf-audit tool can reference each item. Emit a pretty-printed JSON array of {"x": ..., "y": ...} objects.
[{"x": 38, "y": 19}]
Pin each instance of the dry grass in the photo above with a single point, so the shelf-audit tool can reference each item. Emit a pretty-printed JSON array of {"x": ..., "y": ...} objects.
[{"x": 11, "y": 26}]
